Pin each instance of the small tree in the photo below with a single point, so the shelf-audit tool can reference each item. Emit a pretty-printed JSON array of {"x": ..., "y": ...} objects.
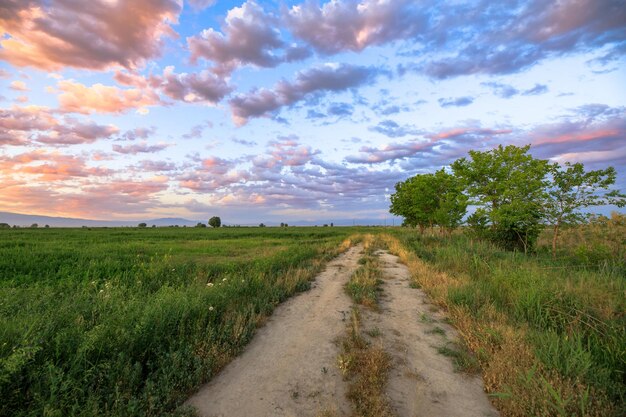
[
  {"x": 572, "y": 190},
  {"x": 200, "y": 224},
  {"x": 508, "y": 185},
  {"x": 142, "y": 225},
  {"x": 5, "y": 226},
  {"x": 261, "y": 225},
  {"x": 34, "y": 226},
  {"x": 215, "y": 221}
]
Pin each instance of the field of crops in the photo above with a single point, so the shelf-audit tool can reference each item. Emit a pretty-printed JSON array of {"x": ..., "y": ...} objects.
[{"x": 128, "y": 321}]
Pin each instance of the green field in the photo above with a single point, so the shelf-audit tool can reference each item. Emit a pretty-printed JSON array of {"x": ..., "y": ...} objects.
[{"x": 129, "y": 322}]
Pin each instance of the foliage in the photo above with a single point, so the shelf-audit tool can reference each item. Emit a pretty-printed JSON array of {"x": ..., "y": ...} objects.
[
  {"x": 426, "y": 200},
  {"x": 142, "y": 225},
  {"x": 560, "y": 319},
  {"x": 215, "y": 222},
  {"x": 508, "y": 185},
  {"x": 573, "y": 189},
  {"x": 200, "y": 224}
]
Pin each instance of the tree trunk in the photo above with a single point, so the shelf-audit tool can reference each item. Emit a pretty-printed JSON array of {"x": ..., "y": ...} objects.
[{"x": 554, "y": 238}]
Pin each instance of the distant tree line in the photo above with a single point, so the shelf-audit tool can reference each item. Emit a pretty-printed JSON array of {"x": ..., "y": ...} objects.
[{"x": 514, "y": 194}]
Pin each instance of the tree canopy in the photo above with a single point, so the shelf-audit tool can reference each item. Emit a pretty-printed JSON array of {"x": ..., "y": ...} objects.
[
  {"x": 513, "y": 195},
  {"x": 215, "y": 221}
]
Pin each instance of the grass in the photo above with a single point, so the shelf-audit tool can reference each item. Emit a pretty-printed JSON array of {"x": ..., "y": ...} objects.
[
  {"x": 364, "y": 284},
  {"x": 549, "y": 334},
  {"x": 366, "y": 367},
  {"x": 128, "y": 322}
]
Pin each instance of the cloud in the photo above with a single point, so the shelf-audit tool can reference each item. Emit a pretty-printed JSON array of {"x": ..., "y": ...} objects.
[
  {"x": 142, "y": 147},
  {"x": 106, "y": 200},
  {"x": 203, "y": 87},
  {"x": 24, "y": 125},
  {"x": 313, "y": 81},
  {"x": 78, "y": 98},
  {"x": 536, "y": 90},
  {"x": 456, "y": 102},
  {"x": 491, "y": 39},
  {"x": 201, "y": 4},
  {"x": 41, "y": 165},
  {"x": 18, "y": 86},
  {"x": 508, "y": 91},
  {"x": 249, "y": 37},
  {"x": 394, "y": 130},
  {"x": 96, "y": 34},
  {"x": 351, "y": 25},
  {"x": 434, "y": 148}
]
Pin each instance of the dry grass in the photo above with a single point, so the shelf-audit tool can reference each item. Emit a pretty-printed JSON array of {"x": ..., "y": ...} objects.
[
  {"x": 518, "y": 384},
  {"x": 366, "y": 367}
]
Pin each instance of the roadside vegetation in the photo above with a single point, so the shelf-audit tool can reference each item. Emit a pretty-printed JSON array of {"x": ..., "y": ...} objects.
[
  {"x": 365, "y": 365},
  {"x": 549, "y": 333},
  {"x": 128, "y": 322}
]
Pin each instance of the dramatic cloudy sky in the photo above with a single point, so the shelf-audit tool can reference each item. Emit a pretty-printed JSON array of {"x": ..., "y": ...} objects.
[{"x": 293, "y": 110}]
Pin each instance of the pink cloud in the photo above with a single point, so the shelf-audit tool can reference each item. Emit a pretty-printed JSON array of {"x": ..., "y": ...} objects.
[
  {"x": 142, "y": 147},
  {"x": 96, "y": 34},
  {"x": 21, "y": 125},
  {"x": 98, "y": 98},
  {"x": 18, "y": 86}
]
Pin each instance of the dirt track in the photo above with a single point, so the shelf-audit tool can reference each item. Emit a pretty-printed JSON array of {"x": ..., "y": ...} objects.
[{"x": 289, "y": 368}]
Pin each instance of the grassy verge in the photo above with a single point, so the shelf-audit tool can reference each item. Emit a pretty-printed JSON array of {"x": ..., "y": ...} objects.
[
  {"x": 366, "y": 367},
  {"x": 128, "y": 322},
  {"x": 363, "y": 286},
  {"x": 549, "y": 335}
]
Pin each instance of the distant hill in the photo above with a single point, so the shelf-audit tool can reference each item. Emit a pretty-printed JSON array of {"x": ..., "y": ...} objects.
[{"x": 25, "y": 220}]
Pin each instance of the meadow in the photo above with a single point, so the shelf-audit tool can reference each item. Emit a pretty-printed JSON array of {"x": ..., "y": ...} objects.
[{"x": 128, "y": 322}]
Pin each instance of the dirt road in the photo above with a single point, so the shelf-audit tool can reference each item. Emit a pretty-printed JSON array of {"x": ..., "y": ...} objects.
[
  {"x": 289, "y": 368},
  {"x": 423, "y": 382}
]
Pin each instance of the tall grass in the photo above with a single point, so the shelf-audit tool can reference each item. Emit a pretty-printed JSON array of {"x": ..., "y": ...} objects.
[
  {"x": 127, "y": 322},
  {"x": 550, "y": 334}
]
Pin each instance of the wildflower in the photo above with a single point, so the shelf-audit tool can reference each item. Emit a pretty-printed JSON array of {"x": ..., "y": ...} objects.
[
  {"x": 211, "y": 308},
  {"x": 243, "y": 280},
  {"x": 101, "y": 291},
  {"x": 224, "y": 280},
  {"x": 209, "y": 284},
  {"x": 173, "y": 269}
]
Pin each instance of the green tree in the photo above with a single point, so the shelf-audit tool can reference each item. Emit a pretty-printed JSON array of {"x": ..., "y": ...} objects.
[
  {"x": 572, "y": 189},
  {"x": 200, "y": 224},
  {"x": 508, "y": 185},
  {"x": 451, "y": 201},
  {"x": 430, "y": 199},
  {"x": 414, "y": 200},
  {"x": 142, "y": 225},
  {"x": 215, "y": 221}
]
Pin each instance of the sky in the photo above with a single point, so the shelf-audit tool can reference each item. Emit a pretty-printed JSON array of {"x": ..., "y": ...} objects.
[{"x": 295, "y": 110}]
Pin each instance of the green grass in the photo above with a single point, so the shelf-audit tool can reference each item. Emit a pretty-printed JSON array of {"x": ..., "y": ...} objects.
[
  {"x": 570, "y": 310},
  {"x": 128, "y": 322}
]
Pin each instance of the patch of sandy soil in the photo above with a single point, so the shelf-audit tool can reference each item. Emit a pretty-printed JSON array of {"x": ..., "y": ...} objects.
[
  {"x": 422, "y": 382},
  {"x": 289, "y": 367}
]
